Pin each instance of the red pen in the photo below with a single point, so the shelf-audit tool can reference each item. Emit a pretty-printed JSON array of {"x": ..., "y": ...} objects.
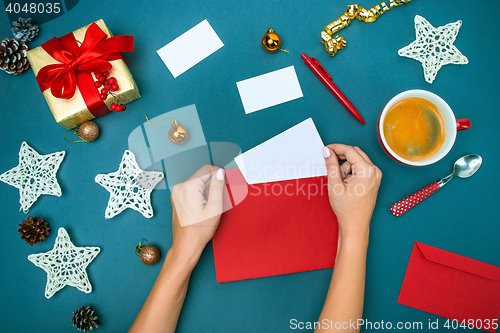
[{"x": 326, "y": 79}]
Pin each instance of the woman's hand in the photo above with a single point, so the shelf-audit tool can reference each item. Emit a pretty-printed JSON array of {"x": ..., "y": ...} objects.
[
  {"x": 195, "y": 218},
  {"x": 194, "y": 221},
  {"x": 352, "y": 188}
]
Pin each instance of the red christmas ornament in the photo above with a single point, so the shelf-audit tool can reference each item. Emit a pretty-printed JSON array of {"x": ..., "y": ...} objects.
[
  {"x": 111, "y": 80},
  {"x": 101, "y": 79},
  {"x": 104, "y": 91},
  {"x": 118, "y": 108},
  {"x": 106, "y": 73},
  {"x": 97, "y": 84},
  {"x": 102, "y": 97},
  {"x": 114, "y": 87}
]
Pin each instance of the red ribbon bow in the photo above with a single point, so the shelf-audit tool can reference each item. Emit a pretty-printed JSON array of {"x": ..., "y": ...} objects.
[{"x": 77, "y": 62}]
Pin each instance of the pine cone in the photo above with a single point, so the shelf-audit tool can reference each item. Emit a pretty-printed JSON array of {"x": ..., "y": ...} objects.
[
  {"x": 34, "y": 230},
  {"x": 84, "y": 319},
  {"x": 24, "y": 29},
  {"x": 13, "y": 56}
]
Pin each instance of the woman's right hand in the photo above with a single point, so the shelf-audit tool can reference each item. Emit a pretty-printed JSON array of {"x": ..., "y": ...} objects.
[
  {"x": 352, "y": 188},
  {"x": 195, "y": 219}
]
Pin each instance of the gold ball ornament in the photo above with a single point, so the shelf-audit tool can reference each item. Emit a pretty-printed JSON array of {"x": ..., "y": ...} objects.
[
  {"x": 149, "y": 254},
  {"x": 271, "y": 41},
  {"x": 88, "y": 131},
  {"x": 177, "y": 133}
]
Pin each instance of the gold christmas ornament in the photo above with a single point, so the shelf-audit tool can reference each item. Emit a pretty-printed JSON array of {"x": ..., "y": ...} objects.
[
  {"x": 88, "y": 131},
  {"x": 272, "y": 41},
  {"x": 332, "y": 45},
  {"x": 177, "y": 134},
  {"x": 149, "y": 254}
]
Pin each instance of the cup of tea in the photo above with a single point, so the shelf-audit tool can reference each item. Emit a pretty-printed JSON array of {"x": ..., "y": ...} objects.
[{"x": 418, "y": 128}]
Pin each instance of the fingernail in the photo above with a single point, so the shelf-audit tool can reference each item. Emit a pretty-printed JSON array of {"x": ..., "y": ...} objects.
[
  {"x": 326, "y": 152},
  {"x": 220, "y": 174}
]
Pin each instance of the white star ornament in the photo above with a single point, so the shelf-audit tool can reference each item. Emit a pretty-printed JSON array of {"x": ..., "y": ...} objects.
[
  {"x": 434, "y": 47},
  {"x": 65, "y": 264},
  {"x": 35, "y": 175},
  {"x": 129, "y": 187}
]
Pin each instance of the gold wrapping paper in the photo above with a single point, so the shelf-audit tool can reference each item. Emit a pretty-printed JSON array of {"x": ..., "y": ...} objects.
[{"x": 72, "y": 112}]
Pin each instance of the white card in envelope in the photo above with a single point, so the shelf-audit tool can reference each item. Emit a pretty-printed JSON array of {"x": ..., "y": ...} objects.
[{"x": 296, "y": 153}]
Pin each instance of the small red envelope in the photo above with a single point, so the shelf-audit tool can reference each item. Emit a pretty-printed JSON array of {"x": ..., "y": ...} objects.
[
  {"x": 452, "y": 286},
  {"x": 274, "y": 228}
]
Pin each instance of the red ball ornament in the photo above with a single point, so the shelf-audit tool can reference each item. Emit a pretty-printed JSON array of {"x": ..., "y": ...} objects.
[
  {"x": 97, "y": 75},
  {"x": 111, "y": 80},
  {"x": 113, "y": 106},
  {"x": 106, "y": 73},
  {"x": 114, "y": 87},
  {"x": 97, "y": 84},
  {"x": 118, "y": 108},
  {"x": 103, "y": 97},
  {"x": 104, "y": 91},
  {"x": 101, "y": 79}
]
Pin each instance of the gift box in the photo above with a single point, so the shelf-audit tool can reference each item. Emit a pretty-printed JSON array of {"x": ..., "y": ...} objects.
[{"x": 65, "y": 69}]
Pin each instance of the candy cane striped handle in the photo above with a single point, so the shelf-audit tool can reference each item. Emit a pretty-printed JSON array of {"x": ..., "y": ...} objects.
[{"x": 404, "y": 205}]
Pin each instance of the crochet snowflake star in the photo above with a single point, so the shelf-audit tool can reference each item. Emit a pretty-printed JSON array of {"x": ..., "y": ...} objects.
[
  {"x": 65, "y": 264},
  {"x": 35, "y": 175},
  {"x": 434, "y": 47},
  {"x": 129, "y": 187}
]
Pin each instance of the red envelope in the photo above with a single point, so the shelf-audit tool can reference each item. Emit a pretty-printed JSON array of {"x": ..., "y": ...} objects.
[
  {"x": 452, "y": 286},
  {"x": 274, "y": 228}
]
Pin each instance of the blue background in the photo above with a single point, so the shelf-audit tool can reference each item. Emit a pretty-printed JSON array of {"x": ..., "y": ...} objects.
[{"x": 461, "y": 218}]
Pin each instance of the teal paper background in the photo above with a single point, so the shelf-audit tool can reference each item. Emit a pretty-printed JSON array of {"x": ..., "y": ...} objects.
[{"x": 462, "y": 217}]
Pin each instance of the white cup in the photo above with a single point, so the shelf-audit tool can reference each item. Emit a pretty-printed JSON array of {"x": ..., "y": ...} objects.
[{"x": 452, "y": 125}]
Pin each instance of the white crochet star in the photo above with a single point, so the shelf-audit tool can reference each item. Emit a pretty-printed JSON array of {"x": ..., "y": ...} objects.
[
  {"x": 65, "y": 264},
  {"x": 129, "y": 187},
  {"x": 434, "y": 47},
  {"x": 35, "y": 175}
]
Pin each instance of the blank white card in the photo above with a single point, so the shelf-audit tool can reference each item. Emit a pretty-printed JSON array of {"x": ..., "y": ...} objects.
[
  {"x": 269, "y": 89},
  {"x": 293, "y": 154},
  {"x": 190, "y": 48}
]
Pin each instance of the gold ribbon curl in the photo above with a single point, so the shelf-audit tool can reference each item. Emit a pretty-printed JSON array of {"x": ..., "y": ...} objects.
[{"x": 332, "y": 45}]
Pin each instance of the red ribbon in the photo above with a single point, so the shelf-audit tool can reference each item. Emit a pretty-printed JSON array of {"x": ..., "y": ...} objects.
[{"x": 77, "y": 62}]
